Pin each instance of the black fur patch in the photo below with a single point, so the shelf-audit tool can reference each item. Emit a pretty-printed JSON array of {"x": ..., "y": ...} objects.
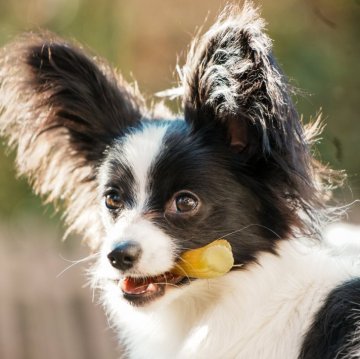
[
  {"x": 335, "y": 332},
  {"x": 203, "y": 163},
  {"x": 119, "y": 178},
  {"x": 232, "y": 78}
]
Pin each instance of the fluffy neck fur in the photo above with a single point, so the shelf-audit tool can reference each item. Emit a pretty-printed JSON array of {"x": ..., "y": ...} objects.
[{"x": 260, "y": 312}]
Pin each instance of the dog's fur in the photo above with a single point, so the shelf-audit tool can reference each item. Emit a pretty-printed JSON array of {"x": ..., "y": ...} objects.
[{"x": 241, "y": 156}]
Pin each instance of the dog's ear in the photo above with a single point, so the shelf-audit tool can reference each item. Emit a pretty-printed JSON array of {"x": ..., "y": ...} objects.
[
  {"x": 62, "y": 108},
  {"x": 231, "y": 79}
]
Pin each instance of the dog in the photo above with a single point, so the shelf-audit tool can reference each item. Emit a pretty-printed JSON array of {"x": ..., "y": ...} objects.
[{"x": 142, "y": 186}]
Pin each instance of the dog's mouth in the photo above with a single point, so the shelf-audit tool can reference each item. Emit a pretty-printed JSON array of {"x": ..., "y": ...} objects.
[{"x": 139, "y": 291}]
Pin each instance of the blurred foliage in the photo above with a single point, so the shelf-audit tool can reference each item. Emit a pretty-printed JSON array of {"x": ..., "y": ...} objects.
[{"x": 316, "y": 42}]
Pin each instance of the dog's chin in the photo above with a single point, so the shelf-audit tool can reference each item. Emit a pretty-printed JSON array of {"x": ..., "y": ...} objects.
[{"x": 140, "y": 291}]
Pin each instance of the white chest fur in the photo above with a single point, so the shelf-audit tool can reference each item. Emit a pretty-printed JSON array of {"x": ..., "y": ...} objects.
[{"x": 259, "y": 312}]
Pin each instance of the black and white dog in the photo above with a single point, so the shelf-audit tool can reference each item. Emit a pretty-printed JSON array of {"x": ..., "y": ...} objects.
[{"x": 142, "y": 186}]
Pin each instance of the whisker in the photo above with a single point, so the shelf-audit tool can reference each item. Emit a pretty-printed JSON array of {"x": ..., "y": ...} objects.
[
  {"x": 74, "y": 263},
  {"x": 179, "y": 267},
  {"x": 248, "y": 226},
  {"x": 237, "y": 265},
  {"x": 170, "y": 284},
  {"x": 237, "y": 231}
]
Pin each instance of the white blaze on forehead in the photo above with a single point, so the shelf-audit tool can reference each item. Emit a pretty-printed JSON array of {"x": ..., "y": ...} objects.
[{"x": 140, "y": 151}]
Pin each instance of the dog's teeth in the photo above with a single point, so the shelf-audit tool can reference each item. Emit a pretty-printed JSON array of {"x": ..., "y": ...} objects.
[{"x": 151, "y": 288}]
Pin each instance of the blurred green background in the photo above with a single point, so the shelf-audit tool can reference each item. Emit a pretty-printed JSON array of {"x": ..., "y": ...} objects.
[{"x": 316, "y": 42}]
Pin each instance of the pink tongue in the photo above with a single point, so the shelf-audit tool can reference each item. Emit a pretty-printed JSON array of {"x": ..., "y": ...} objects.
[{"x": 137, "y": 286}]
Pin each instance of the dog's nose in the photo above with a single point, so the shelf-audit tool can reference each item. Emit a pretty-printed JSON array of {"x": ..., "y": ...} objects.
[{"x": 125, "y": 255}]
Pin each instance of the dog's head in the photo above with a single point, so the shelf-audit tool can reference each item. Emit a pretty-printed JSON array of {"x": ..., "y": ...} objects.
[{"x": 145, "y": 187}]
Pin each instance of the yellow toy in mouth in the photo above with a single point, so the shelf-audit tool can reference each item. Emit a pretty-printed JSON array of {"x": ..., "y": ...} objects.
[{"x": 210, "y": 261}]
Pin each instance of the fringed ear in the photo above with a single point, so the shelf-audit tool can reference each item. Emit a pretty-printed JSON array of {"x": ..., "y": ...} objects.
[
  {"x": 61, "y": 109},
  {"x": 231, "y": 78}
]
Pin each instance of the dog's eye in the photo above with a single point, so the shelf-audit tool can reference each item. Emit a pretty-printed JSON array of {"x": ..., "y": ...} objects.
[
  {"x": 184, "y": 203},
  {"x": 113, "y": 201}
]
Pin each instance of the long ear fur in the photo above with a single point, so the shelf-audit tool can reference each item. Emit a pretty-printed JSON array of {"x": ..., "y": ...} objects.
[
  {"x": 231, "y": 73},
  {"x": 62, "y": 108},
  {"x": 231, "y": 78}
]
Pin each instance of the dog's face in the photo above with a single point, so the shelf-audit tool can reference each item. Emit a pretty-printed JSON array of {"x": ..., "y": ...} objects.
[
  {"x": 165, "y": 189},
  {"x": 143, "y": 188}
]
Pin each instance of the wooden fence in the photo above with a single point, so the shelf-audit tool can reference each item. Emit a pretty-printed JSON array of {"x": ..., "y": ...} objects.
[{"x": 42, "y": 316}]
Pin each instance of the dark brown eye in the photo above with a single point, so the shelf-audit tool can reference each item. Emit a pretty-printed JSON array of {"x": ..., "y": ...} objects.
[
  {"x": 184, "y": 203},
  {"x": 113, "y": 201}
]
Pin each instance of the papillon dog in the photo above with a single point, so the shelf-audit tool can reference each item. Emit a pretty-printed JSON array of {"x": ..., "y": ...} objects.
[{"x": 142, "y": 186}]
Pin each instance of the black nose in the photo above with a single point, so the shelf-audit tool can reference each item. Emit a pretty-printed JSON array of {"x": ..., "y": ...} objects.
[{"x": 125, "y": 255}]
